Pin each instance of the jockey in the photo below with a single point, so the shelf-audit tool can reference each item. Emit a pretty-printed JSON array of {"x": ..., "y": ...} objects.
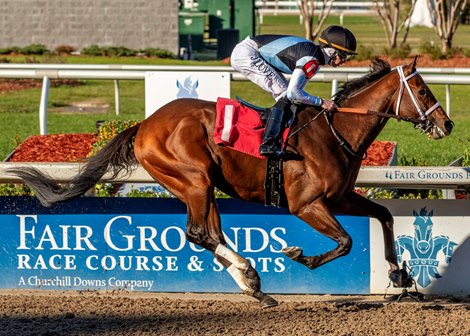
[{"x": 264, "y": 59}]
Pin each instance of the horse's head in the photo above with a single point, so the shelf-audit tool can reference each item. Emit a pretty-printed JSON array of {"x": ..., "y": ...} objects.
[
  {"x": 423, "y": 229},
  {"x": 415, "y": 102}
]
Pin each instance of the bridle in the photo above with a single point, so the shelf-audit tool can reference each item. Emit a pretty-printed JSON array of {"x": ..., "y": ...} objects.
[
  {"x": 404, "y": 84},
  {"x": 423, "y": 122}
]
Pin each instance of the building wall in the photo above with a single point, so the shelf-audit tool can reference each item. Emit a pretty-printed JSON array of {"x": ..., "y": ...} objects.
[{"x": 134, "y": 24}]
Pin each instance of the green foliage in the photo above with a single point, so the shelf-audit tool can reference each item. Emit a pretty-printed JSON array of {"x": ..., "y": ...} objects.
[
  {"x": 435, "y": 52},
  {"x": 160, "y": 53},
  {"x": 11, "y": 189},
  {"x": 466, "y": 153},
  {"x": 95, "y": 50},
  {"x": 108, "y": 130},
  {"x": 365, "y": 53},
  {"x": 9, "y": 50},
  {"x": 148, "y": 194},
  {"x": 120, "y": 51},
  {"x": 220, "y": 194},
  {"x": 381, "y": 193},
  {"x": 414, "y": 161},
  {"x": 34, "y": 49},
  {"x": 399, "y": 52},
  {"x": 105, "y": 189}
]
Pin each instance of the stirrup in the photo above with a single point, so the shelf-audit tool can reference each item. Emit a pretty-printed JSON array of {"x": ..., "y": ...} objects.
[{"x": 271, "y": 152}]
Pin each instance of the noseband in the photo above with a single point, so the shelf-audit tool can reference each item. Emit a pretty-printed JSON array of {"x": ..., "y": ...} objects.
[{"x": 404, "y": 83}]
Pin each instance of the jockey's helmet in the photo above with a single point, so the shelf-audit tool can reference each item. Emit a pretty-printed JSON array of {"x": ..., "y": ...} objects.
[{"x": 339, "y": 38}]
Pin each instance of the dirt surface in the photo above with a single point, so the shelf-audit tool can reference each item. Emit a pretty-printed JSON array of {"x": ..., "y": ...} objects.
[{"x": 123, "y": 313}]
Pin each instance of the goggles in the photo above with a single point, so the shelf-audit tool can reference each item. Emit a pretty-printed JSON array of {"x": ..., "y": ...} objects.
[{"x": 343, "y": 56}]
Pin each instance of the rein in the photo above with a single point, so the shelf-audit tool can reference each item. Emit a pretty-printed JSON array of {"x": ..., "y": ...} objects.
[
  {"x": 422, "y": 122},
  {"x": 376, "y": 113},
  {"x": 342, "y": 142}
]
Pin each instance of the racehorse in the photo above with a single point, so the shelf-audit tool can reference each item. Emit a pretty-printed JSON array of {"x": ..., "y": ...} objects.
[{"x": 176, "y": 147}]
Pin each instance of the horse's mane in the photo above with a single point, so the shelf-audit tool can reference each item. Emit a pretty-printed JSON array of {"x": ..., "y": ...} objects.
[{"x": 378, "y": 69}]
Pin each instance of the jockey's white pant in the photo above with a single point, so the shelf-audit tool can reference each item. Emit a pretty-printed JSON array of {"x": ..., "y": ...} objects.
[{"x": 247, "y": 60}]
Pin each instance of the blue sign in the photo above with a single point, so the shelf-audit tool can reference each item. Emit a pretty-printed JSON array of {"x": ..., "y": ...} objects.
[
  {"x": 424, "y": 248},
  {"x": 140, "y": 244}
]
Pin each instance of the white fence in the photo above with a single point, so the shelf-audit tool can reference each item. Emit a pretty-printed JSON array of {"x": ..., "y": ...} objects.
[
  {"x": 448, "y": 178},
  {"x": 339, "y": 8},
  {"x": 116, "y": 72},
  {"x": 275, "y": 7},
  {"x": 396, "y": 177}
]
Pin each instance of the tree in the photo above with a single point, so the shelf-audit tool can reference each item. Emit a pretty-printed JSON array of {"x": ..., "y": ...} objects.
[
  {"x": 307, "y": 11},
  {"x": 395, "y": 15},
  {"x": 447, "y": 15}
]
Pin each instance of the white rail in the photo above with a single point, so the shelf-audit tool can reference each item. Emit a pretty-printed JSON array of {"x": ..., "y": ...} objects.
[
  {"x": 116, "y": 72},
  {"x": 390, "y": 176},
  {"x": 339, "y": 8}
]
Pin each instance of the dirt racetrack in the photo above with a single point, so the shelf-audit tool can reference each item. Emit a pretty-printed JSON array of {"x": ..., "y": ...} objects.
[{"x": 51, "y": 313}]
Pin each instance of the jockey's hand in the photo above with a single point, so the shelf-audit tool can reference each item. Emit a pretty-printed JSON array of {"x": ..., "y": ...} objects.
[{"x": 328, "y": 105}]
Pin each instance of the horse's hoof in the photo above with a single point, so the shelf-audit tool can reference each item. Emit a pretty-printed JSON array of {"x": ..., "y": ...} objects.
[
  {"x": 293, "y": 252},
  {"x": 266, "y": 302},
  {"x": 401, "y": 279}
]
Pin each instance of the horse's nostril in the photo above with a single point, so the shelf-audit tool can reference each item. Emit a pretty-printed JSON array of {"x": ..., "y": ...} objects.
[{"x": 449, "y": 125}]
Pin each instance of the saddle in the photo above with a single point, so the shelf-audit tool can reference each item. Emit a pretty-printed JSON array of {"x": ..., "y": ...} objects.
[
  {"x": 273, "y": 181},
  {"x": 239, "y": 125}
]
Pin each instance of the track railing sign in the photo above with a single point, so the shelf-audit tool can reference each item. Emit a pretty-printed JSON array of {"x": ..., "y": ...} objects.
[
  {"x": 162, "y": 87},
  {"x": 139, "y": 244}
]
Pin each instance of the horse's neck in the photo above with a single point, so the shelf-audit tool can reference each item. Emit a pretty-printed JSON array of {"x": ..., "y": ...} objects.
[{"x": 360, "y": 130}]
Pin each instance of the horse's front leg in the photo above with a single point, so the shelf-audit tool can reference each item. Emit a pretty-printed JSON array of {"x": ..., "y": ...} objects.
[
  {"x": 319, "y": 217},
  {"x": 205, "y": 231},
  {"x": 357, "y": 205}
]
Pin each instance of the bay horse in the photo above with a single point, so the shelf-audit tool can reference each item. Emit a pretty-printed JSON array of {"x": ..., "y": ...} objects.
[{"x": 176, "y": 147}]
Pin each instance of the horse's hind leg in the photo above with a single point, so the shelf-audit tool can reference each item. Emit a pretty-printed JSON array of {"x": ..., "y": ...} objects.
[
  {"x": 181, "y": 163},
  {"x": 203, "y": 228}
]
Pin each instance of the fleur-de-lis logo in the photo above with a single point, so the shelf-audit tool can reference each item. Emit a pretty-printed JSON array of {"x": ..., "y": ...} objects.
[
  {"x": 187, "y": 89},
  {"x": 424, "y": 249}
]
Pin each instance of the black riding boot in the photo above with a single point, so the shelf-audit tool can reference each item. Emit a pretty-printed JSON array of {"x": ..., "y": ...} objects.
[{"x": 271, "y": 144}]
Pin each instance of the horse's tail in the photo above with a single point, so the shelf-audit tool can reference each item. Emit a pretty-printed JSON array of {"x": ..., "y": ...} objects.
[{"x": 117, "y": 155}]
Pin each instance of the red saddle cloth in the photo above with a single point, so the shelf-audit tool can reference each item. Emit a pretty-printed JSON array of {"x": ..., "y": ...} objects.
[{"x": 239, "y": 127}]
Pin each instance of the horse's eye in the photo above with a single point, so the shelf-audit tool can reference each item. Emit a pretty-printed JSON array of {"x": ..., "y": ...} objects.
[{"x": 422, "y": 92}]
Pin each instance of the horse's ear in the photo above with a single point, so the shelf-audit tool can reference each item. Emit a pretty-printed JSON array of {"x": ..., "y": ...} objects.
[{"x": 412, "y": 65}]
